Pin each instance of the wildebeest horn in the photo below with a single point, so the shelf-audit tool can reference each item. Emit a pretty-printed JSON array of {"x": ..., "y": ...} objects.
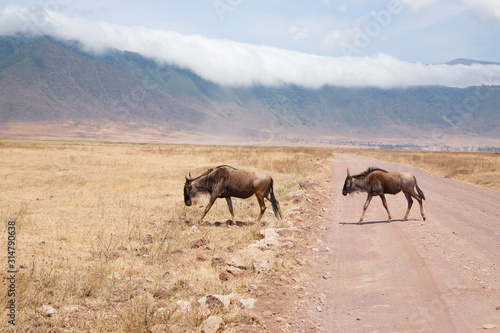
[
  {"x": 348, "y": 173},
  {"x": 188, "y": 178}
]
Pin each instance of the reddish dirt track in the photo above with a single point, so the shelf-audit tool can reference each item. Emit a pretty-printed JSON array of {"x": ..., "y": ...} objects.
[{"x": 441, "y": 275}]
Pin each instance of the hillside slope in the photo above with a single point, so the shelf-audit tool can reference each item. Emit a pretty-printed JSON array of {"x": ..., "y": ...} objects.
[{"x": 43, "y": 81}]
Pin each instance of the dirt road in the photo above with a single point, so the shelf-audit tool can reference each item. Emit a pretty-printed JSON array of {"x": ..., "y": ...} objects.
[{"x": 441, "y": 275}]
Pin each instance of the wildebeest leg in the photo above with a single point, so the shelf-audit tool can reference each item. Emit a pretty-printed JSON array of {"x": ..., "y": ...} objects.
[
  {"x": 384, "y": 202},
  {"x": 210, "y": 203},
  {"x": 230, "y": 206},
  {"x": 263, "y": 207},
  {"x": 420, "y": 202},
  {"x": 279, "y": 210},
  {"x": 421, "y": 208},
  {"x": 368, "y": 199},
  {"x": 410, "y": 203}
]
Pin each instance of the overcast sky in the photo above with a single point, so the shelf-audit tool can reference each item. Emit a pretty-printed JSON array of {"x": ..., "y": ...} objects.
[{"x": 310, "y": 43}]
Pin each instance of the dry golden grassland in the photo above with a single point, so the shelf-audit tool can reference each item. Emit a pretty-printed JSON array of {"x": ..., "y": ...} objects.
[
  {"x": 480, "y": 169},
  {"x": 101, "y": 233}
]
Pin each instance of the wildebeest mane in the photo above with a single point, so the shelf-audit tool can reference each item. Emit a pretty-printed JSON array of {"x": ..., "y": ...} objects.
[
  {"x": 368, "y": 171},
  {"x": 213, "y": 176},
  {"x": 209, "y": 171}
]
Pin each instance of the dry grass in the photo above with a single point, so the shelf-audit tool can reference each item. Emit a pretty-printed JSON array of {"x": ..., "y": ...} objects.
[
  {"x": 480, "y": 169},
  {"x": 101, "y": 228}
]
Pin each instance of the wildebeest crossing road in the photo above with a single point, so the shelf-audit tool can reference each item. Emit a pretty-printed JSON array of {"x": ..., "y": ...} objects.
[{"x": 438, "y": 275}]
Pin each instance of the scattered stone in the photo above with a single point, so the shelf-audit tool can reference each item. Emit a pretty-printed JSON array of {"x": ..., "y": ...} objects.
[
  {"x": 231, "y": 248},
  {"x": 160, "y": 293},
  {"x": 70, "y": 308},
  {"x": 248, "y": 303},
  {"x": 149, "y": 279},
  {"x": 269, "y": 233},
  {"x": 246, "y": 319},
  {"x": 121, "y": 248},
  {"x": 217, "y": 262},
  {"x": 489, "y": 326},
  {"x": 272, "y": 238},
  {"x": 184, "y": 306},
  {"x": 23, "y": 267},
  {"x": 251, "y": 257},
  {"x": 210, "y": 247},
  {"x": 224, "y": 276},
  {"x": 194, "y": 229},
  {"x": 213, "y": 324},
  {"x": 244, "y": 259},
  {"x": 86, "y": 292},
  {"x": 319, "y": 309},
  {"x": 306, "y": 185},
  {"x": 200, "y": 257},
  {"x": 265, "y": 262},
  {"x": 288, "y": 245},
  {"x": 48, "y": 311},
  {"x": 234, "y": 270},
  {"x": 198, "y": 243},
  {"x": 177, "y": 328},
  {"x": 216, "y": 302}
]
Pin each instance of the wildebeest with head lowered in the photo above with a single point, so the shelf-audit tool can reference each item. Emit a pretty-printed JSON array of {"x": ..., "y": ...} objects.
[
  {"x": 226, "y": 182},
  {"x": 379, "y": 182}
]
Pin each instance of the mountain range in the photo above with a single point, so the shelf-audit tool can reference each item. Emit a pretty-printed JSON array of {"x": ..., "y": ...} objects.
[{"x": 53, "y": 89}]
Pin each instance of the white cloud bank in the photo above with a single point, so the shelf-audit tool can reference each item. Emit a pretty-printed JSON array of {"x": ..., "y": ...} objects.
[{"x": 239, "y": 64}]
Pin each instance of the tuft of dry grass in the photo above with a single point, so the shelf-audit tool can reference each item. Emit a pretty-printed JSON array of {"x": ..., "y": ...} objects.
[
  {"x": 479, "y": 169},
  {"x": 102, "y": 234}
]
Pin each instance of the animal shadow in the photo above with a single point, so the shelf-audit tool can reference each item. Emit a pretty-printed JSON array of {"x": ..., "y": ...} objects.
[
  {"x": 230, "y": 223},
  {"x": 376, "y": 222}
]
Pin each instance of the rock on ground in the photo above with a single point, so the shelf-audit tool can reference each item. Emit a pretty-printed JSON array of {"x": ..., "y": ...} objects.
[{"x": 213, "y": 324}]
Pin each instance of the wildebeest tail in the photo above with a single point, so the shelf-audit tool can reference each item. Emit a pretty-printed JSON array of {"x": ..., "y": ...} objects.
[
  {"x": 274, "y": 202},
  {"x": 419, "y": 191}
]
